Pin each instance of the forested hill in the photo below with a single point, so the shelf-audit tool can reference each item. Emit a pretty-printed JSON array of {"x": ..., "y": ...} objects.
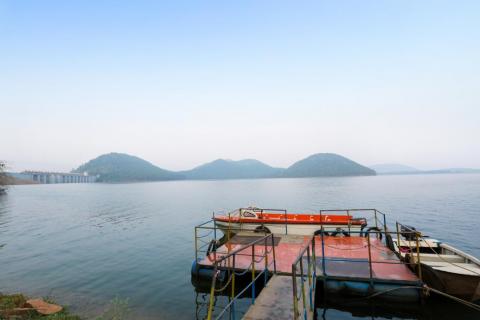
[
  {"x": 119, "y": 167},
  {"x": 229, "y": 169},
  {"x": 326, "y": 165}
]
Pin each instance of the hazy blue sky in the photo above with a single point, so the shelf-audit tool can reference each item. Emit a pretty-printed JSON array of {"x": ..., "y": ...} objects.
[{"x": 180, "y": 83}]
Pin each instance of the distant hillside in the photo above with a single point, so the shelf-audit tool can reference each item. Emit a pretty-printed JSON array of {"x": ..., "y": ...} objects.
[
  {"x": 452, "y": 170},
  {"x": 229, "y": 169},
  {"x": 392, "y": 168},
  {"x": 327, "y": 165},
  {"x": 399, "y": 169},
  {"x": 119, "y": 167}
]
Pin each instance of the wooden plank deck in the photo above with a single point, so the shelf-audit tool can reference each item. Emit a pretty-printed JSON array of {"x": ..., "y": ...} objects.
[{"x": 276, "y": 301}]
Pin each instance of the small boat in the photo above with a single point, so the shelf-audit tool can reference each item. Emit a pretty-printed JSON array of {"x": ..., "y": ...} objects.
[
  {"x": 281, "y": 222},
  {"x": 443, "y": 267}
]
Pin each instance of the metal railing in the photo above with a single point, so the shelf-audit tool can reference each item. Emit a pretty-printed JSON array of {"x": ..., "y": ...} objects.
[
  {"x": 310, "y": 276},
  {"x": 227, "y": 263},
  {"x": 303, "y": 295},
  {"x": 369, "y": 245},
  {"x": 208, "y": 232},
  {"x": 379, "y": 218}
]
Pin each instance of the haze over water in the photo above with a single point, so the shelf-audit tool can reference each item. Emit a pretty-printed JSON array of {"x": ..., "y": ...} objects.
[{"x": 84, "y": 244}]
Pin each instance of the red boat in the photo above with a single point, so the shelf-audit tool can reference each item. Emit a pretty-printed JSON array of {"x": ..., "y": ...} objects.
[{"x": 281, "y": 222}]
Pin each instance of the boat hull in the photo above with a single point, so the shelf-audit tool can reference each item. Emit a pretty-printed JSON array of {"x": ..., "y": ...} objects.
[
  {"x": 276, "y": 228},
  {"x": 466, "y": 287}
]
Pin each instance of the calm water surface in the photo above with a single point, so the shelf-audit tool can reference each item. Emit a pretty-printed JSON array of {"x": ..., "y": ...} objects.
[{"x": 84, "y": 244}]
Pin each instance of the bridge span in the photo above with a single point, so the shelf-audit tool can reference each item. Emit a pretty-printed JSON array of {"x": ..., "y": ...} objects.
[{"x": 56, "y": 177}]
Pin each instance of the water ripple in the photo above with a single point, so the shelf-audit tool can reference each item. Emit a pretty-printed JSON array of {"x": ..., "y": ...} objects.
[{"x": 86, "y": 244}]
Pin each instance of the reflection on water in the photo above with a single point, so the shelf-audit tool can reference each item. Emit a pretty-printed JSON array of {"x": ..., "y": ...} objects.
[
  {"x": 336, "y": 307},
  {"x": 431, "y": 308},
  {"x": 85, "y": 244}
]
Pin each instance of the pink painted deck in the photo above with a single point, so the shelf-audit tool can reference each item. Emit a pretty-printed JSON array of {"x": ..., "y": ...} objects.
[{"x": 385, "y": 264}]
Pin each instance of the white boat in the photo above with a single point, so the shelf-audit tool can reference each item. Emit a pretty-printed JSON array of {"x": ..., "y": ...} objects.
[{"x": 443, "y": 267}]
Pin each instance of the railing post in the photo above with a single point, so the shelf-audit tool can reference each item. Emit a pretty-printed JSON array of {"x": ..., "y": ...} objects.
[
  {"x": 273, "y": 251},
  {"x": 323, "y": 253},
  {"x": 314, "y": 274},
  {"x": 253, "y": 274},
  {"x": 310, "y": 278},
  {"x": 349, "y": 221},
  {"x": 398, "y": 237},
  {"x": 314, "y": 255},
  {"x": 294, "y": 285},
  {"x": 385, "y": 226},
  {"x": 214, "y": 226},
  {"x": 212, "y": 293},
  {"x": 302, "y": 286},
  {"x": 266, "y": 264},
  {"x": 196, "y": 246},
  {"x": 232, "y": 308},
  {"x": 286, "y": 223},
  {"x": 376, "y": 222},
  {"x": 309, "y": 273},
  {"x": 302, "y": 282},
  {"x": 228, "y": 230},
  {"x": 370, "y": 260},
  {"x": 419, "y": 266}
]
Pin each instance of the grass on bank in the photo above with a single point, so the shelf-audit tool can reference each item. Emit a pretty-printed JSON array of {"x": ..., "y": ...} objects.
[
  {"x": 8, "y": 304},
  {"x": 118, "y": 309}
]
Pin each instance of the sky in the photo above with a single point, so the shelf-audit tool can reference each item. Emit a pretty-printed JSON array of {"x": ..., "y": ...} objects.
[{"x": 181, "y": 83}]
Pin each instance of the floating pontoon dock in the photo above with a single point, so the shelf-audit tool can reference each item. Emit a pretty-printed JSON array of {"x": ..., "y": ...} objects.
[{"x": 295, "y": 269}]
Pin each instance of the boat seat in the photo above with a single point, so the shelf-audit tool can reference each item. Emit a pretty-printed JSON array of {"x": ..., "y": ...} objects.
[
  {"x": 423, "y": 243},
  {"x": 428, "y": 257}
]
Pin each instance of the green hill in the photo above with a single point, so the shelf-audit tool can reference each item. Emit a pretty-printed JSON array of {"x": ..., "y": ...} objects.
[
  {"x": 326, "y": 165},
  {"x": 120, "y": 167},
  {"x": 229, "y": 169}
]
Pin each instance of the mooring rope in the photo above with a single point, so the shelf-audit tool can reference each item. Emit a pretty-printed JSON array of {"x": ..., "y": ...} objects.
[
  {"x": 467, "y": 303},
  {"x": 247, "y": 269},
  {"x": 347, "y": 249},
  {"x": 226, "y": 285}
]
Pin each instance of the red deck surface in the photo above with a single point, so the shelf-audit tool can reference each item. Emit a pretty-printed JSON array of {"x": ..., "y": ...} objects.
[{"x": 385, "y": 264}]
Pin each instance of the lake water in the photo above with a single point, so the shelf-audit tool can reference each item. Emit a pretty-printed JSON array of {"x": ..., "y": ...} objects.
[{"x": 85, "y": 244}]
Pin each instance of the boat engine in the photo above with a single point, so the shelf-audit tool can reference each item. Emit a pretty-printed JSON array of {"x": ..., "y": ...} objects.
[{"x": 408, "y": 232}]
